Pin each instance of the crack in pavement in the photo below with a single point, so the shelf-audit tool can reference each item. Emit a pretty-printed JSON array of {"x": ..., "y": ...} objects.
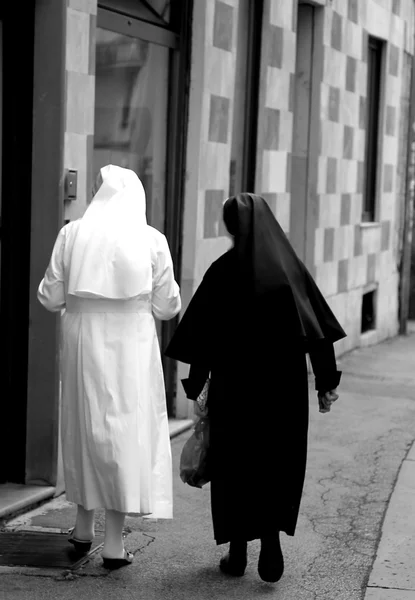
[{"x": 356, "y": 498}]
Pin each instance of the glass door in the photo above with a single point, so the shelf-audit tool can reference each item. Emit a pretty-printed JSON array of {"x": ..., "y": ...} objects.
[
  {"x": 131, "y": 104},
  {"x": 142, "y": 61}
]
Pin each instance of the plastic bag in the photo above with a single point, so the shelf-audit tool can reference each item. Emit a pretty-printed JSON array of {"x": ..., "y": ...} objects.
[
  {"x": 203, "y": 396},
  {"x": 194, "y": 467}
]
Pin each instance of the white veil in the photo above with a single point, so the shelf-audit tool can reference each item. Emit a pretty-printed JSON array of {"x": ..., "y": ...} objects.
[{"x": 110, "y": 256}]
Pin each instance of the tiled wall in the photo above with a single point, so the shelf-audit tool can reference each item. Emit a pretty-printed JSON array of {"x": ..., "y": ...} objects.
[
  {"x": 214, "y": 109},
  {"x": 351, "y": 256},
  {"x": 80, "y": 97},
  {"x": 347, "y": 256},
  {"x": 275, "y": 118}
]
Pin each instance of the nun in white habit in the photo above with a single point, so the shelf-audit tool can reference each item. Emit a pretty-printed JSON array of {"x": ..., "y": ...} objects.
[{"x": 110, "y": 274}]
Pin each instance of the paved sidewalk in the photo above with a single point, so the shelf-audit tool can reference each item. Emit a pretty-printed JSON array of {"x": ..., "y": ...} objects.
[{"x": 355, "y": 535}]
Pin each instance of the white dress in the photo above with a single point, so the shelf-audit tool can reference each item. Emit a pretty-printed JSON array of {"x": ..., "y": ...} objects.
[{"x": 114, "y": 425}]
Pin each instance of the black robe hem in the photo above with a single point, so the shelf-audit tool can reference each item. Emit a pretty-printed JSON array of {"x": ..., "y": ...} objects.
[{"x": 251, "y": 538}]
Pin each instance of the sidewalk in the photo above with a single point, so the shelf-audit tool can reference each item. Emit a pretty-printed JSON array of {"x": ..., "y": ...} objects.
[
  {"x": 355, "y": 535},
  {"x": 393, "y": 573}
]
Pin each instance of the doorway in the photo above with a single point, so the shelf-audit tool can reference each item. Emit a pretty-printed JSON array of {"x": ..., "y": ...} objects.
[
  {"x": 141, "y": 114},
  {"x": 16, "y": 107}
]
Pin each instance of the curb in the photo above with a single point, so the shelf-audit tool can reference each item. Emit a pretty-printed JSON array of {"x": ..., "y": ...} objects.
[{"x": 392, "y": 576}]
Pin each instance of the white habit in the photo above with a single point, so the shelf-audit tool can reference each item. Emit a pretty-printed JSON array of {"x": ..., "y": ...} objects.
[{"x": 114, "y": 425}]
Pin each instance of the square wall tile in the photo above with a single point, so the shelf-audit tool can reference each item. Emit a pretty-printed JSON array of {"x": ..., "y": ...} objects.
[
  {"x": 291, "y": 100},
  {"x": 288, "y": 171},
  {"x": 396, "y": 7},
  {"x": 388, "y": 178},
  {"x": 358, "y": 241},
  {"x": 365, "y": 45},
  {"x": 283, "y": 211},
  {"x": 275, "y": 167},
  {"x": 390, "y": 120},
  {"x": 393, "y": 60},
  {"x": 371, "y": 268},
  {"x": 294, "y": 20},
  {"x": 276, "y": 39},
  {"x": 362, "y": 112},
  {"x": 281, "y": 14},
  {"x": 271, "y": 129},
  {"x": 85, "y": 6},
  {"x": 343, "y": 275},
  {"x": 348, "y": 142},
  {"x": 77, "y": 41},
  {"x": 351, "y": 68},
  {"x": 277, "y": 88},
  {"x": 336, "y": 31},
  {"x": 328, "y": 251},
  {"x": 331, "y": 186},
  {"x": 271, "y": 200},
  {"x": 360, "y": 177},
  {"x": 80, "y": 107},
  {"x": 92, "y": 45},
  {"x": 352, "y": 10},
  {"x": 334, "y": 104},
  {"x": 345, "y": 209},
  {"x": 385, "y": 235},
  {"x": 223, "y": 25},
  {"x": 218, "y": 119}
]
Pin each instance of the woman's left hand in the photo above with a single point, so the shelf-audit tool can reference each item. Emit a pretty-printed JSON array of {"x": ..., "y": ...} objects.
[{"x": 326, "y": 399}]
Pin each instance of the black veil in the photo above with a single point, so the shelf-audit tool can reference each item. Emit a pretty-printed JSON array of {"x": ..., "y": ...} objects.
[{"x": 274, "y": 298}]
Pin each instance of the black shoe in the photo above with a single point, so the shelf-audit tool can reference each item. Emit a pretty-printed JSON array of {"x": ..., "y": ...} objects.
[
  {"x": 271, "y": 560},
  {"x": 117, "y": 563},
  {"x": 234, "y": 563},
  {"x": 80, "y": 546}
]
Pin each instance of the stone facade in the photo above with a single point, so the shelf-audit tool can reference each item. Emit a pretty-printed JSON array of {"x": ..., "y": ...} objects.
[
  {"x": 80, "y": 99},
  {"x": 347, "y": 256}
]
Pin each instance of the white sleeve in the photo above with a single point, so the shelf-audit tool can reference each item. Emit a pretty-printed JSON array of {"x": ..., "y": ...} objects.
[
  {"x": 166, "y": 302},
  {"x": 51, "y": 291}
]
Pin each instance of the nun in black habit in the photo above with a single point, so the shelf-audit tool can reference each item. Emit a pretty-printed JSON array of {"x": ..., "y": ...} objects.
[{"x": 250, "y": 324}]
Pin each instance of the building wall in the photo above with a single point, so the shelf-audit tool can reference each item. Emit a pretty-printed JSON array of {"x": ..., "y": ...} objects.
[
  {"x": 80, "y": 99},
  {"x": 351, "y": 256},
  {"x": 275, "y": 114},
  {"x": 346, "y": 256}
]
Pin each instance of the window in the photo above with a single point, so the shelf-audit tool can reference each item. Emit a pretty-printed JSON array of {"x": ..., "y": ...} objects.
[
  {"x": 245, "y": 109},
  {"x": 131, "y": 110},
  {"x": 373, "y": 109},
  {"x": 368, "y": 311}
]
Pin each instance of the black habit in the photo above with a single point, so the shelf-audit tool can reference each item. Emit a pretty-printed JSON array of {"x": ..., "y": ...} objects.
[{"x": 255, "y": 315}]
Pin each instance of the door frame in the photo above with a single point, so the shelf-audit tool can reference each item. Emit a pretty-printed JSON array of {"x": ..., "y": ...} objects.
[
  {"x": 15, "y": 233},
  {"x": 47, "y": 180}
]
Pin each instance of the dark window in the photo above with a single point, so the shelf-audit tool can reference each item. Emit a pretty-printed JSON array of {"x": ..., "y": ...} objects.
[
  {"x": 368, "y": 311},
  {"x": 374, "y": 88},
  {"x": 245, "y": 109}
]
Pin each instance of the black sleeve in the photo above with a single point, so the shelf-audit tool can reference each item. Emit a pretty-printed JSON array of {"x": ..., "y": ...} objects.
[
  {"x": 323, "y": 361},
  {"x": 193, "y": 385}
]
